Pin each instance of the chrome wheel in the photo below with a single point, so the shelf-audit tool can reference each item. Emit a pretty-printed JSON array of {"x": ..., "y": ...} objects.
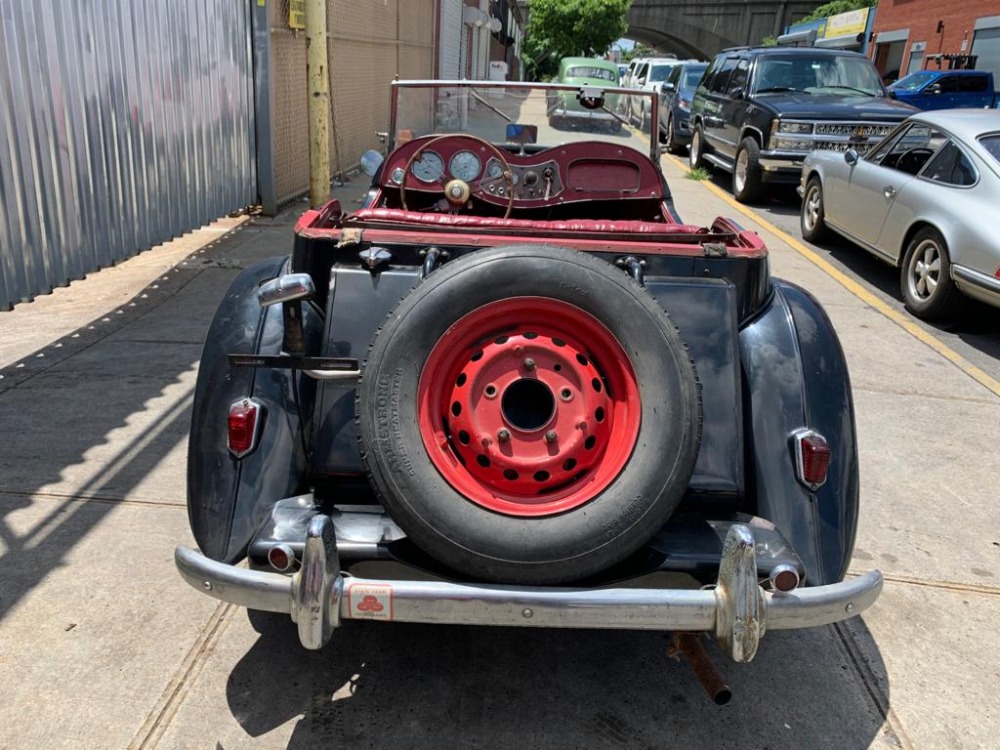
[
  {"x": 925, "y": 277},
  {"x": 925, "y": 270},
  {"x": 694, "y": 156},
  {"x": 812, "y": 208},
  {"x": 740, "y": 171}
]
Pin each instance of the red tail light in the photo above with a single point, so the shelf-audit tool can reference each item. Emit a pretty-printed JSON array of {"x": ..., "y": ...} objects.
[
  {"x": 244, "y": 426},
  {"x": 812, "y": 458}
]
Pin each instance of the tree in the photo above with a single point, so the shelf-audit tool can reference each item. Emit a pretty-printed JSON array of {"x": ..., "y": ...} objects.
[{"x": 564, "y": 28}]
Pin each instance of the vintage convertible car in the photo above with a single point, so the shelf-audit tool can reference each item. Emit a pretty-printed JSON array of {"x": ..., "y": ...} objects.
[{"x": 515, "y": 389}]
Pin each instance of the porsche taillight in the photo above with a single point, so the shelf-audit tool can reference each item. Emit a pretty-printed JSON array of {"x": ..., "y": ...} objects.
[
  {"x": 244, "y": 421},
  {"x": 812, "y": 457}
]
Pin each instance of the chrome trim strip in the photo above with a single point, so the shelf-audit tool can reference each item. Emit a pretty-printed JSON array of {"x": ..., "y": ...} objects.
[
  {"x": 980, "y": 279},
  {"x": 738, "y": 611}
]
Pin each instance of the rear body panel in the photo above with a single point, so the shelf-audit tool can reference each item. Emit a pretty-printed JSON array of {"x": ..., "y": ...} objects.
[{"x": 766, "y": 356}]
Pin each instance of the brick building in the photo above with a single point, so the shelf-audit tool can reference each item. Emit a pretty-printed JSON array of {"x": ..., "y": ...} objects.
[{"x": 911, "y": 35}]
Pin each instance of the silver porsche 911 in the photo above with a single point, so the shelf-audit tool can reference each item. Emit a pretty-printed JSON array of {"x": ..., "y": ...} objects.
[{"x": 926, "y": 199}]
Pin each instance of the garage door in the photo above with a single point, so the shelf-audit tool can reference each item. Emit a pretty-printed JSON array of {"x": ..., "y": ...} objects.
[
  {"x": 986, "y": 46},
  {"x": 452, "y": 31}
]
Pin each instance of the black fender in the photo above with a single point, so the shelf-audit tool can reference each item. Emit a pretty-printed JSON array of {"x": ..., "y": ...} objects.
[
  {"x": 228, "y": 498},
  {"x": 796, "y": 376}
]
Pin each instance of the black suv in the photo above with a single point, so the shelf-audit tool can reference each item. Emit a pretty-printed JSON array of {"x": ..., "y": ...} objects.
[{"x": 758, "y": 111}]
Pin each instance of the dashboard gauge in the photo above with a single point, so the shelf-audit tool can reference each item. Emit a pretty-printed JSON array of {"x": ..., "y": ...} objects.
[
  {"x": 465, "y": 165},
  {"x": 494, "y": 169},
  {"x": 429, "y": 167},
  {"x": 397, "y": 175}
]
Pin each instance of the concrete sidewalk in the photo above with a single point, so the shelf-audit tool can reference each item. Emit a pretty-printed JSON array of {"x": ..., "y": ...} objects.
[{"x": 104, "y": 646}]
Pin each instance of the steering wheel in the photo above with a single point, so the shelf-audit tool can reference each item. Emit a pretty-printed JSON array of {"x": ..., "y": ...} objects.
[
  {"x": 913, "y": 160},
  {"x": 458, "y": 192}
]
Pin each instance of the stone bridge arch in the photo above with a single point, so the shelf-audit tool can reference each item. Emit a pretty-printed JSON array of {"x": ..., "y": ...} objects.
[{"x": 701, "y": 28}]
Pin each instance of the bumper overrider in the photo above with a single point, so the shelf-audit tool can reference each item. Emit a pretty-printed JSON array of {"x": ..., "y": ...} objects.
[{"x": 736, "y": 611}]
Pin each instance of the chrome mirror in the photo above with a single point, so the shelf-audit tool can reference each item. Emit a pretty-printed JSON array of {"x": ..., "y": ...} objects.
[{"x": 851, "y": 156}]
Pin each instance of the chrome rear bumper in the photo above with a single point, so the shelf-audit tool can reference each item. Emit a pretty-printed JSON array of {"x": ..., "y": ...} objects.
[{"x": 737, "y": 611}]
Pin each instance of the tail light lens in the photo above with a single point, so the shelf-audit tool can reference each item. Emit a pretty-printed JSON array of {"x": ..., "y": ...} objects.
[
  {"x": 245, "y": 417},
  {"x": 812, "y": 457}
]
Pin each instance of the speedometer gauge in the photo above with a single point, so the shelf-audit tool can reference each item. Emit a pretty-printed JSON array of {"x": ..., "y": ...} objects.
[
  {"x": 465, "y": 165},
  {"x": 429, "y": 167}
]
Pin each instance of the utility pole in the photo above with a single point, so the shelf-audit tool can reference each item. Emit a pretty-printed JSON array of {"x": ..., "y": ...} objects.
[{"x": 318, "y": 76}]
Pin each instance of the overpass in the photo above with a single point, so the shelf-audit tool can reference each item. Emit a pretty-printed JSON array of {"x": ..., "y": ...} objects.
[{"x": 700, "y": 28}]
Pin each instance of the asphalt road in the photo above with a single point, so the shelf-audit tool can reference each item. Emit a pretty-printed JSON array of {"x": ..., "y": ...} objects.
[
  {"x": 975, "y": 334},
  {"x": 103, "y": 646}
]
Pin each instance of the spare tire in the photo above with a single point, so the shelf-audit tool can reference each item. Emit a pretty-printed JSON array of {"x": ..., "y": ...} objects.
[{"x": 529, "y": 414}]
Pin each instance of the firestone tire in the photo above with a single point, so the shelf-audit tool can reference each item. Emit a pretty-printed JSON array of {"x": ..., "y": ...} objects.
[{"x": 547, "y": 345}]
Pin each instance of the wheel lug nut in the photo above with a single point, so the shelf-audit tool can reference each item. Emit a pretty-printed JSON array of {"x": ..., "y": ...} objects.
[
  {"x": 550, "y": 436},
  {"x": 529, "y": 364},
  {"x": 503, "y": 435}
]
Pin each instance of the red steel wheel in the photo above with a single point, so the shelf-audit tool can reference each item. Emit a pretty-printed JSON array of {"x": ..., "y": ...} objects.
[
  {"x": 528, "y": 414},
  {"x": 528, "y": 406}
]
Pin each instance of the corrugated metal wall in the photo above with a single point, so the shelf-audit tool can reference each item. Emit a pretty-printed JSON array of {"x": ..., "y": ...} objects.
[
  {"x": 370, "y": 42},
  {"x": 125, "y": 123}
]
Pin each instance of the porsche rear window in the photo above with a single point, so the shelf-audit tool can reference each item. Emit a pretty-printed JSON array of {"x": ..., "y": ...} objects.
[{"x": 992, "y": 144}]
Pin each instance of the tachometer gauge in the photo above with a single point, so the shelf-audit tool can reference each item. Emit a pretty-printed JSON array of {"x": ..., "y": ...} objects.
[
  {"x": 429, "y": 167},
  {"x": 465, "y": 165},
  {"x": 494, "y": 169}
]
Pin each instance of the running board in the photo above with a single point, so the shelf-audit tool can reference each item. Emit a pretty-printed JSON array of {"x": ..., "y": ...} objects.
[{"x": 718, "y": 161}]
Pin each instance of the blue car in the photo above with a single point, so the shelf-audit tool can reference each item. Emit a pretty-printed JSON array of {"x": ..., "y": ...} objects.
[
  {"x": 675, "y": 105},
  {"x": 946, "y": 89}
]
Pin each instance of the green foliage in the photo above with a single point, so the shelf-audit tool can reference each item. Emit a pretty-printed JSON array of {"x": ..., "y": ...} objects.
[
  {"x": 697, "y": 174},
  {"x": 769, "y": 41},
  {"x": 836, "y": 7},
  {"x": 639, "y": 50},
  {"x": 565, "y": 28}
]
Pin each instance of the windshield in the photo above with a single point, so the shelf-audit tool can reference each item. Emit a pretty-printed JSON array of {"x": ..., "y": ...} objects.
[
  {"x": 659, "y": 73},
  {"x": 913, "y": 81},
  {"x": 826, "y": 74},
  {"x": 692, "y": 76},
  {"x": 529, "y": 116}
]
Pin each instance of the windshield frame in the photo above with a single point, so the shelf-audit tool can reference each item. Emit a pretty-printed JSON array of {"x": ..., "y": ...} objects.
[
  {"x": 922, "y": 77},
  {"x": 475, "y": 85}
]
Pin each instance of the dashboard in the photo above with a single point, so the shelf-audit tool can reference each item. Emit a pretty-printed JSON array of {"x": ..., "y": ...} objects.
[{"x": 579, "y": 171}]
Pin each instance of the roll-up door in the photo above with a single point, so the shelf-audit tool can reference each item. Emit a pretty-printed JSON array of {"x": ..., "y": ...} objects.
[{"x": 450, "y": 48}]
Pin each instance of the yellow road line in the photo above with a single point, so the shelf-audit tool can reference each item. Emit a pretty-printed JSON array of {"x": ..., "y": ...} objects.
[{"x": 857, "y": 289}]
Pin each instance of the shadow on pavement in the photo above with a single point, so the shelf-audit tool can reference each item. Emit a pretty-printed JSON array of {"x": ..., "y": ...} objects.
[
  {"x": 418, "y": 686},
  {"x": 96, "y": 412}
]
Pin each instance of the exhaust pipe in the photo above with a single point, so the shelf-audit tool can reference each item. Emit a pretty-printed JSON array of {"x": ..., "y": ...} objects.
[{"x": 689, "y": 646}]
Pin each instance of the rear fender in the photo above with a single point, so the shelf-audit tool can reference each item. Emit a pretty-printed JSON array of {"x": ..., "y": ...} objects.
[
  {"x": 796, "y": 376},
  {"x": 228, "y": 498}
]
